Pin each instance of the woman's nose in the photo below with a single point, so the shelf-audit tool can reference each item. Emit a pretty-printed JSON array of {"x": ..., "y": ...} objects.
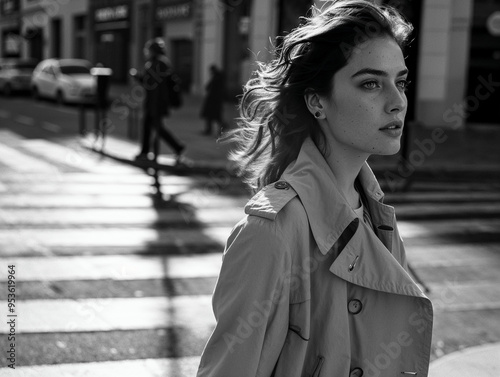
[{"x": 396, "y": 101}]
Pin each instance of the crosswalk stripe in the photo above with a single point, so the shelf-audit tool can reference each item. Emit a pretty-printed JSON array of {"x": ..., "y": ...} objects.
[
  {"x": 10, "y": 200},
  {"x": 192, "y": 197},
  {"x": 434, "y": 228},
  {"x": 451, "y": 254},
  {"x": 137, "y": 177},
  {"x": 440, "y": 197},
  {"x": 51, "y": 127},
  {"x": 111, "y": 314},
  {"x": 113, "y": 267},
  {"x": 72, "y": 153},
  {"x": 449, "y": 186},
  {"x": 28, "y": 121},
  {"x": 443, "y": 210},
  {"x": 62, "y": 185},
  {"x": 118, "y": 217},
  {"x": 67, "y": 155},
  {"x": 74, "y": 188},
  {"x": 24, "y": 163},
  {"x": 121, "y": 148},
  {"x": 14, "y": 241},
  {"x": 171, "y": 367}
]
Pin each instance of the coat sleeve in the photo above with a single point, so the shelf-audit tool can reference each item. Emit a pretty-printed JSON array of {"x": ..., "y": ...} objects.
[{"x": 250, "y": 303}]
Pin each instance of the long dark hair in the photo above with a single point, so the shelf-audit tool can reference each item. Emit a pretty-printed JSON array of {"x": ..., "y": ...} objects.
[{"x": 274, "y": 120}]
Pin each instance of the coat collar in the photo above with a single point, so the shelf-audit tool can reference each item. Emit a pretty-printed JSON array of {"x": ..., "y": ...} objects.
[
  {"x": 329, "y": 215},
  {"x": 367, "y": 263},
  {"x": 327, "y": 210}
]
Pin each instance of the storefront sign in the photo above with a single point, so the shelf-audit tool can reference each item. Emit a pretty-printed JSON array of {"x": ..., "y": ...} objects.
[
  {"x": 110, "y": 14},
  {"x": 174, "y": 11}
]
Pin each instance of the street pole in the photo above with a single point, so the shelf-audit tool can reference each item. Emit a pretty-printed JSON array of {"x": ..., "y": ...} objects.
[
  {"x": 156, "y": 118},
  {"x": 152, "y": 15}
]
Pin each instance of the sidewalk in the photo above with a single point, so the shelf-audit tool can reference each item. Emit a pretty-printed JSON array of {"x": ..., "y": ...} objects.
[
  {"x": 481, "y": 361},
  {"x": 472, "y": 151}
]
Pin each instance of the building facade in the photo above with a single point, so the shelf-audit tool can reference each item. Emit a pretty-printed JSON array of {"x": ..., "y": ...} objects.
[
  {"x": 455, "y": 59},
  {"x": 55, "y": 29},
  {"x": 10, "y": 28}
]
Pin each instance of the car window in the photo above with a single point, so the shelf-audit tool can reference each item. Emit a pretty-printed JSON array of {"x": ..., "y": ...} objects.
[
  {"x": 74, "y": 69},
  {"x": 48, "y": 70}
]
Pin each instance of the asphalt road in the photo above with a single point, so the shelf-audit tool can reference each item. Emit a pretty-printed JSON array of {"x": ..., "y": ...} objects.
[{"x": 112, "y": 280}]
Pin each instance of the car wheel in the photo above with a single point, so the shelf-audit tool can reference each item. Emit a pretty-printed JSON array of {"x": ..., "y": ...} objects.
[{"x": 60, "y": 98}]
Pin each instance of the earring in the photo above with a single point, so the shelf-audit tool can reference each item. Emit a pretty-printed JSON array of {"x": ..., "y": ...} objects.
[{"x": 317, "y": 114}]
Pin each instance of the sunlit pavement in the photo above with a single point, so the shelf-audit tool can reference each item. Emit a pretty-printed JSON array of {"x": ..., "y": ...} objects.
[{"x": 112, "y": 279}]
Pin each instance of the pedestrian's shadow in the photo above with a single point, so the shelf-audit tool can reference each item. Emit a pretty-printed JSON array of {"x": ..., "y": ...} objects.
[{"x": 175, "y": 215}]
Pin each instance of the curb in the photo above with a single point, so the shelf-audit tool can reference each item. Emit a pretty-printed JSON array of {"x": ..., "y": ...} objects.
[{"x": 480, "y": 361}]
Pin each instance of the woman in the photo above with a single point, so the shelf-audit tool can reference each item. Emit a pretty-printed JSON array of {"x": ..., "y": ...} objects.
[
  {"x": 212, "y": 107},
  {"x": 314, "y": 280}
]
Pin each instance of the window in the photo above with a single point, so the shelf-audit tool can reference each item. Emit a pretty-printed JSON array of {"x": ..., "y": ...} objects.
[{"x": 80, "y": 33}]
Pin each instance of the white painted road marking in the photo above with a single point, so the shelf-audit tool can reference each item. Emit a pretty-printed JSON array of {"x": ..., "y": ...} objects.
[
  {"x": 172, "y": 367},
  {"x": 114, "y": 267},
  {"x": 51, "y": 127},
  {"x": 27, "y": 121},
  {"x": 22, "y": 162},
  {"x": 112, "y": 314}
]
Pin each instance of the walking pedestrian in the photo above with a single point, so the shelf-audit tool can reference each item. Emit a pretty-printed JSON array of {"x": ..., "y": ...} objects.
[
  {"x": 156, "y": 78},
  {"x": 314, "y": 280},
  {"x": 212, "y": 108}
]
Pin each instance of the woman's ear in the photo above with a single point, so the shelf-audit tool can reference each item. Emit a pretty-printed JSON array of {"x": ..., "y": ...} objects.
[{"x": 313, "y": 103}]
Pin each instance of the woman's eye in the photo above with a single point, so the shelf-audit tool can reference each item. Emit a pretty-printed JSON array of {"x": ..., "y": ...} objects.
[
  {"x": 370, "y": 85},
  {"x": 403, "y": 84}
]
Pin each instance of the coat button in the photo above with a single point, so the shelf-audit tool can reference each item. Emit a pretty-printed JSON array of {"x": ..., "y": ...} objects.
[
  {"x": 356, "y": 372},
  {"x": 354, "y": 306},
  {"x": 281, "y": 185}
]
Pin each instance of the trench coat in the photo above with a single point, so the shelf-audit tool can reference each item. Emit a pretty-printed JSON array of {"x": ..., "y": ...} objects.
[{"x": 307, "y": 289}]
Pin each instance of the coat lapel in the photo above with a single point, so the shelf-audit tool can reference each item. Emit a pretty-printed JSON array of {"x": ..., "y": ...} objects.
[
  {"x": 365, "y": 261},
  {"x": 363, "y": 257}
]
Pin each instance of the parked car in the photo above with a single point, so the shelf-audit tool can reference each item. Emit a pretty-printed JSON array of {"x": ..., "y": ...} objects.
[
  {"x": 64, "y": 80},
  {"x": 15, "y": 75}
]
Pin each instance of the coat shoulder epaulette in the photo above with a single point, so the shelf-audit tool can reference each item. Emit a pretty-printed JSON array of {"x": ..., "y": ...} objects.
[{"x": 270, "y": 200}]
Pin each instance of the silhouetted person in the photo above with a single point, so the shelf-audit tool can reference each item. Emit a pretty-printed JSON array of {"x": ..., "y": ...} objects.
[
  {"x": 211, "y": 109},
  {"x": 155, "y": 80}
]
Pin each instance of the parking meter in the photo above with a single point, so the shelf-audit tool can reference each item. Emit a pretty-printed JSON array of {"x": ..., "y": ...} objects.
[{"x": 103, "y": 76}]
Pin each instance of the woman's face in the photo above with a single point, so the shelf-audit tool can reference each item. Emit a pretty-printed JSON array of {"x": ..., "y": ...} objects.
[{"x": 367, "y": 104}]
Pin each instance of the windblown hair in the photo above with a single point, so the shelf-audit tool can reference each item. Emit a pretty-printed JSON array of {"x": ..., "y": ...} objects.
[{"x": 274, "y": 119}]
